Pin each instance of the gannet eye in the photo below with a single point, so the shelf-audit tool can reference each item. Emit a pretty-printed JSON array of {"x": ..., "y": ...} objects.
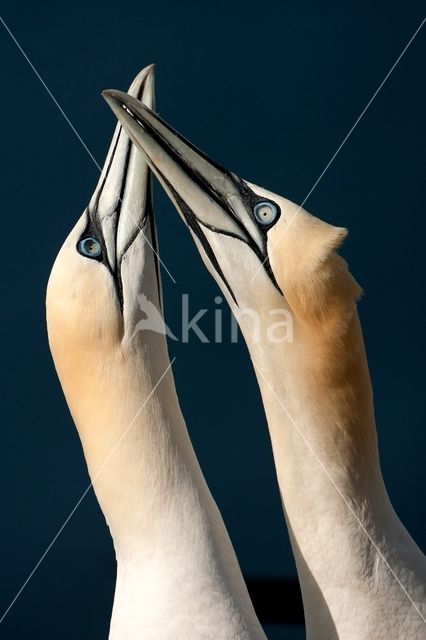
[
  {"x": 90, "y": 247},
  {"x": 265, "y": 212}
]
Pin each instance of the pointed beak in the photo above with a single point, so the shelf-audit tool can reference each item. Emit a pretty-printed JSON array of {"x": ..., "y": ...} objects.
[
  {"x": 206, "y": 195},
  {"x": 121, "y": 205}
]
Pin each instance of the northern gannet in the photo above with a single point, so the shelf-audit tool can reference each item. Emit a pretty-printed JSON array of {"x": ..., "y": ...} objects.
[
  {"x": 362, "y": 575},
  {"x": 177, "y": 574}
]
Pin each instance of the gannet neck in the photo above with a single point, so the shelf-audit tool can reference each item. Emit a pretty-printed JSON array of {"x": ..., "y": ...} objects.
[
  {"x": 318, "y": 401},
  {"x": 177, "y": 575}
]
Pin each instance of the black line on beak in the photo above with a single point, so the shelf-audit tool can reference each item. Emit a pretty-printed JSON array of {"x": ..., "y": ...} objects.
[
  {"x": 149, "y": 218},
  {"x": 247, "y": 195},
  {"x": 191, "y": 171},
  {"x": 195, "y": 227}
]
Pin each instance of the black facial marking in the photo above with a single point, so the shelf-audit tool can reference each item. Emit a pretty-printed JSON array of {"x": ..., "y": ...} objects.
[
  {"x": 250, "y": 200},
  {"x": 93, "y": 227},
  {"x": 92, "y": 230}
]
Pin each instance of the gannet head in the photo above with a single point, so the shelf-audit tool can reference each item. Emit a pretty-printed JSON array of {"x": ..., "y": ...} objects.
[
  {"x": 263, "y": 250},
  {"x": 109, "y": 258}
]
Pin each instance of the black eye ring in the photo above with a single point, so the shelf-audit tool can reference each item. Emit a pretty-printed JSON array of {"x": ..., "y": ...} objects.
[
  {"x": 89, "y": 247},
  {"x": 265, "y": 213}
]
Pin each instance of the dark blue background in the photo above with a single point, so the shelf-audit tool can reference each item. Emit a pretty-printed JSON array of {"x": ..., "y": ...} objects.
[{"x": 268, "y": 89}]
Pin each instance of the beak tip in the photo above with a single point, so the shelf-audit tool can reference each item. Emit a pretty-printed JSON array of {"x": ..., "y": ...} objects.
[
  {"x": 108, "y": 94},
  {"x": 113, "y": 95},
  {"x": 115, "y": 103},
  {"x": 113, "y": 99}
]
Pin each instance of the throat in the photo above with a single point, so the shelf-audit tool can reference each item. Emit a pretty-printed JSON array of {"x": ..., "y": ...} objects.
[
  {"x": 177, "y": 574},
  {"x": 318, "y": 399},
  {"x": 347, "y": 540}
]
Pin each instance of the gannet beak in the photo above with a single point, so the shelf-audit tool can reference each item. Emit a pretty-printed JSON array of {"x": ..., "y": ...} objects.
[
  {"x": 121, "y": 205},
  {"x": 204, "y": 193}
]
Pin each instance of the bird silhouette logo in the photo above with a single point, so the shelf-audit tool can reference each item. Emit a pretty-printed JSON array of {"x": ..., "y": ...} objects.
[{"x": 153, "y": 320}]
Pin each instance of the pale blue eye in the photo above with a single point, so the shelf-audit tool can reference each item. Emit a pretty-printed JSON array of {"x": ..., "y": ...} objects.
[
  {"x": 90, "y": 247},
  {"x": 265, "y": 212}
]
